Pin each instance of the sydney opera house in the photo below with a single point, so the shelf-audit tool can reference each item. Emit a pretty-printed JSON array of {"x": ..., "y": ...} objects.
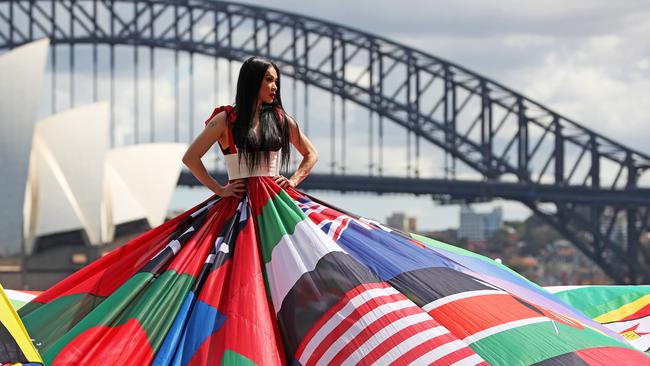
[{"x": 66, "y": 197}]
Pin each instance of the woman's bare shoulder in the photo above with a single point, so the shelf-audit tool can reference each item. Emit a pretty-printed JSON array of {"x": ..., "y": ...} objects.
[
  {"x": 217, "y": 123},
  {"x": 292, "y": 121}
]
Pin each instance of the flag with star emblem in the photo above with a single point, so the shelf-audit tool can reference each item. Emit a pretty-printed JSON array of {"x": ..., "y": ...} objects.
[
  {"x": 278, "y": 277},
  {"x": 623, "y": 309}
]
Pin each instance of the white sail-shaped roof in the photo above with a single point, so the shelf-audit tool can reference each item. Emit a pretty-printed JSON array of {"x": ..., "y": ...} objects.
[
  {"x": 140, "y": 181},
  {"x": 66, "y": 173},
  {"x": 21, "y": 79}
]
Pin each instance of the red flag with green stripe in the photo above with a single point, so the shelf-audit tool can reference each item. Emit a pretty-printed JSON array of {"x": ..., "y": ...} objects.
[{"x": 279, "y": 277}]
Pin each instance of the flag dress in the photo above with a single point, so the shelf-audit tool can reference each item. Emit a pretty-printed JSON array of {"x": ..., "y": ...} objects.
[
  {"x": 279, "y": 277},
  {"x": 15, "y": 345}
]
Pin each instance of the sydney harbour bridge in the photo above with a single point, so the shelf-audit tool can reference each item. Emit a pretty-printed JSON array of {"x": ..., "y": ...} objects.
[{"x": 578, "y": 181}]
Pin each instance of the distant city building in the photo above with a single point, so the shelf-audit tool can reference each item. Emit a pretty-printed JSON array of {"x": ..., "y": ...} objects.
[
  {"x": 400, "y": 221},
  {"x": 475, "y": 226}
]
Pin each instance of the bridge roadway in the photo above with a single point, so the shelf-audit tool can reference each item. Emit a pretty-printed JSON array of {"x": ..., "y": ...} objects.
[{"x": 461, "y": 189}]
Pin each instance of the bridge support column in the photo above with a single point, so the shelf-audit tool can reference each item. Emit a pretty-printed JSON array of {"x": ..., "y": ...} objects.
[{"x": 522, "y": 139}]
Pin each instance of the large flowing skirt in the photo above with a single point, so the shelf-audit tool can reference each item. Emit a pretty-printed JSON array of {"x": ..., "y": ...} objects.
[
  {"x": 279, "y": 277},
  {"x": 15, "y": 345}
]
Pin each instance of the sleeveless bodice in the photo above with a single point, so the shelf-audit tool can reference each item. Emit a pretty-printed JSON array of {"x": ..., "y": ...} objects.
[{"x": 236, "y": 170}]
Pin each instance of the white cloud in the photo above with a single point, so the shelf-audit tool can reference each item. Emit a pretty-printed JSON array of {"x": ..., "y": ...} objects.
[{"x": 588, "y": 60}]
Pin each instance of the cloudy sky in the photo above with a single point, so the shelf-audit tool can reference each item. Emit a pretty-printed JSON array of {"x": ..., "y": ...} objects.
[{"x": 588, "y": 60}]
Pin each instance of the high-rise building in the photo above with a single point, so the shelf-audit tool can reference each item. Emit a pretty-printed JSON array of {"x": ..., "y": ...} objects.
[
  {"x": 400, "y": 221},
  {"x": 475, "y": 226}
]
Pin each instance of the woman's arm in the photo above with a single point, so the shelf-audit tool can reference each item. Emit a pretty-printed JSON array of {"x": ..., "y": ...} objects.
[
  {"x": 215, "y": 128},
  {"x": 306, "y": 149}
]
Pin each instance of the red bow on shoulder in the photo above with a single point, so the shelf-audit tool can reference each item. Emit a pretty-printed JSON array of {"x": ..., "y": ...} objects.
[{"x": 230, "y": 117}]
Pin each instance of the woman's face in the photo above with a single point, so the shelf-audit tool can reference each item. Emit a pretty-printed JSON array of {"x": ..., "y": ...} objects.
[{"x": 268, "y": 88}]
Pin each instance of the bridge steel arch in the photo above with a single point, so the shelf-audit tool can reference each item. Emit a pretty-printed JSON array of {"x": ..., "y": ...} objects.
[{"x": 521, "y": 149}]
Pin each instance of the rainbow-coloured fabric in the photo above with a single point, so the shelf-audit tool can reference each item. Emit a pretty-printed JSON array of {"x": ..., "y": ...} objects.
[
  {"x": 16, "y": 348},
  {"x": 279, "y": 277},
  {"x": 623, "y": 309}
]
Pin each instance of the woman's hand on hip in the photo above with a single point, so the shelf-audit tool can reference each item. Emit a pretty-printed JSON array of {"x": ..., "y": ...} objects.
[
  {"x": 236, "y": 188},
  {"x": 284, "y": 182}
]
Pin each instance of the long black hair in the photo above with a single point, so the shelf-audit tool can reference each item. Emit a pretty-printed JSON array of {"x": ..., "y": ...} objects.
[{"x": 274, "y": 128}]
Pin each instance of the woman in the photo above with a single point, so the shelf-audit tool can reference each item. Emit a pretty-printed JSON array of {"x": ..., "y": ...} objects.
[
  {"x": 257, "y": 127},
  {"x": 263, "y": 274}
]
